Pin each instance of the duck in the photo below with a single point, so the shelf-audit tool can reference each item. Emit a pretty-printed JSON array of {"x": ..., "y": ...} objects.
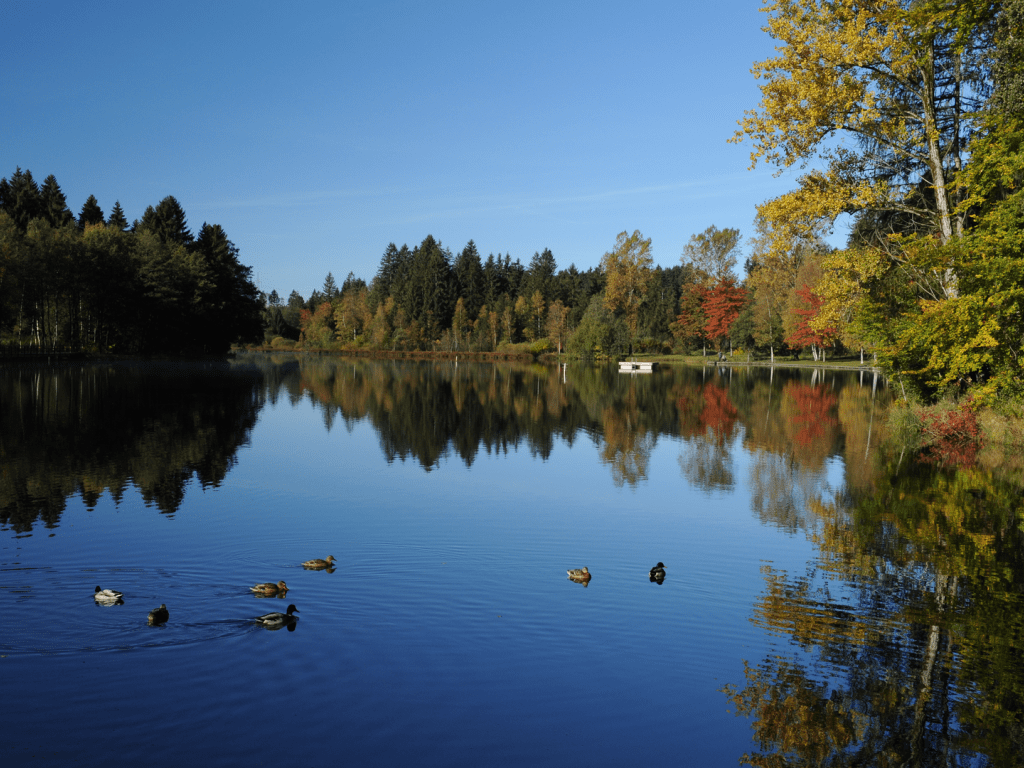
[
  {"x": 327, "y": 562},
  {"x": 269, "y": 588},
  {"x": 276, "y": 619},
  {"x": 579, "y": 574},
  {"x": 658, "y": 571},
  {"x": 159, "y": 615},
  {"x": 107, "y": 595}
]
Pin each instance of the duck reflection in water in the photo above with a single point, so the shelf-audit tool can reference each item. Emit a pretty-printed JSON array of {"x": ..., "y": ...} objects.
[
  {"x": 269, "y": 589},
  {"x": 658, "y": 573},
  {"x": 327, "y": 564},
  {"x": 158, "y": 615},
  {"x": 579, "y": 575},
  {"x": 276, "y": 620}
]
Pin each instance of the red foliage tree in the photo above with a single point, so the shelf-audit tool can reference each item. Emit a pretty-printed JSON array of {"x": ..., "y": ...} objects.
[
  {"x": 803, "y": 335},
  {"x": 722, "y": 305}
]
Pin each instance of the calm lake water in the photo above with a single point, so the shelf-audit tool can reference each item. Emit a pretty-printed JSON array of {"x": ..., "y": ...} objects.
[{"x": 824, "y": 602}]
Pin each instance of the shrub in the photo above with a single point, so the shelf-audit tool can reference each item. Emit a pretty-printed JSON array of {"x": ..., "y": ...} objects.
[
  {"x": 540, "y": 346},
  {"x": 951, "y": 434}
]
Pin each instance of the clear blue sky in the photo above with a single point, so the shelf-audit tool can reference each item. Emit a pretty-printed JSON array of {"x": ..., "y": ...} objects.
[{"x": 317, "y": 133}]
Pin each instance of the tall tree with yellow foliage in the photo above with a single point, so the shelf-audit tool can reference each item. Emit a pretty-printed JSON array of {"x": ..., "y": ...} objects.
[
  {"x": 879, "y": 100},
  {"x": 629, "y": 276}
]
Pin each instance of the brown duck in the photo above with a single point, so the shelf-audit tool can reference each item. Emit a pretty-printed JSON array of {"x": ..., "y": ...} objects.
[{"x": 269, "y": 588}]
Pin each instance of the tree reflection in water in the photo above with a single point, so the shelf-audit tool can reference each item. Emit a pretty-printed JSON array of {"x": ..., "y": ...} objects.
[
  {"x": 95, "y": 428},
  {"x": 905, "y": 642},
  {"x": 101, "y": 427}
]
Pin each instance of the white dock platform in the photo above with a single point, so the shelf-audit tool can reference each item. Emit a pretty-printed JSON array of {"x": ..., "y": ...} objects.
[{"x": 632, "y": 366}]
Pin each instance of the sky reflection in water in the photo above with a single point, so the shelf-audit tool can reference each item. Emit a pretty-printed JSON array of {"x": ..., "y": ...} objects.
[{"x": 455, "y": 499}]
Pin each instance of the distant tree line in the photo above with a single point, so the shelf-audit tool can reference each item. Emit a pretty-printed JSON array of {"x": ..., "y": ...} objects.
[
  {"x": 427, "y": 298},
  {"x": 94, "y": 282}
]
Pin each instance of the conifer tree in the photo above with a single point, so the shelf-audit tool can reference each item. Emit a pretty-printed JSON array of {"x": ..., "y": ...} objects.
[
  {"x": 494, "y": 283},
  {"x": 53, "y": 206},
  {"x": 351, "y": 285},
  {"x": 469, "y": 277},
  {"x": 383, "y": 282},
  {"x": 167, "y": 222},
  {"x": 330, "y": 289},
  {"x": 91, "y": 213},
  {"x": 117, "y": 218},
  {"x": 539, "y": 275},
  {"x": 22, "y": 201}
]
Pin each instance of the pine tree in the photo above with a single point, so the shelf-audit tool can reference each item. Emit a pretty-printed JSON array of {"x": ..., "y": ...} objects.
[
  {"x": 230, "y": 305},
  {"x": 540, "y": 275},
  {"x": 494, "y": 283},
  {"x": 53, "y": 206},
  {"x": 117, "y": 218},
  {"x": 434, "y": 278},
  {"x": 167, "y": 222},
  {"x": 22, "y": 201},
  {"x": 91, "y": 213},
  {"x": 352, "y": 284},
  {"x": 469, "y": 277},
  {"x": 330, "y": 289},
  {"x": 383, "y": 282}
]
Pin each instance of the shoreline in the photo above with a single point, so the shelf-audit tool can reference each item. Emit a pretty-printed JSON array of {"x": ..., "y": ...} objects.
[{"x": 691, "y": 360}]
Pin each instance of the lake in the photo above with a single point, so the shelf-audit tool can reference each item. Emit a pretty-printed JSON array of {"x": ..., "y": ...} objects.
[{"x": 825, "y": 601}]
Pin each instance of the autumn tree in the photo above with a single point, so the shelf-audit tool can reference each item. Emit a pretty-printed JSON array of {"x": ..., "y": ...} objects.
[
  {"x": 628, "y": 271},
  {"x": 712, "y": 253},
  {"x": 722, "y": 305},
  {"x": 461, "y": 323},
  {"x": 557, "y": 325},
  {"x": 902, "y": 80},
  {"x": 352, "y": 313}
]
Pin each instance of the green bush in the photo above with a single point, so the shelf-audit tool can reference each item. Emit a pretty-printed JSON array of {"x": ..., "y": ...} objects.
[{"x": 540, "y": 346}]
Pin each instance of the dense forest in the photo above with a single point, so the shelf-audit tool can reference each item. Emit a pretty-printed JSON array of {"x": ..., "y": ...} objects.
[
  {"x": 96, "y": 283},
  {"x": 907, "y": 118},
  {"x": 427, "y": 298}
]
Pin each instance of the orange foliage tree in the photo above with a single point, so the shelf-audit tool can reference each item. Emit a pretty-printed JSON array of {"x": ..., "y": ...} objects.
[
  {"x": 722, "y": 305},
  {"x": 803, "y": 334}
]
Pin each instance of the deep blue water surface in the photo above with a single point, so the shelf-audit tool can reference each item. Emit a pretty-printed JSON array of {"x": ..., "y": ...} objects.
[{"x": 449, "y": 633}]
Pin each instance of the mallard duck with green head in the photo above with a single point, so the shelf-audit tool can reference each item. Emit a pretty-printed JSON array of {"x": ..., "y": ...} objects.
[{"x": 276, "y": 620}]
